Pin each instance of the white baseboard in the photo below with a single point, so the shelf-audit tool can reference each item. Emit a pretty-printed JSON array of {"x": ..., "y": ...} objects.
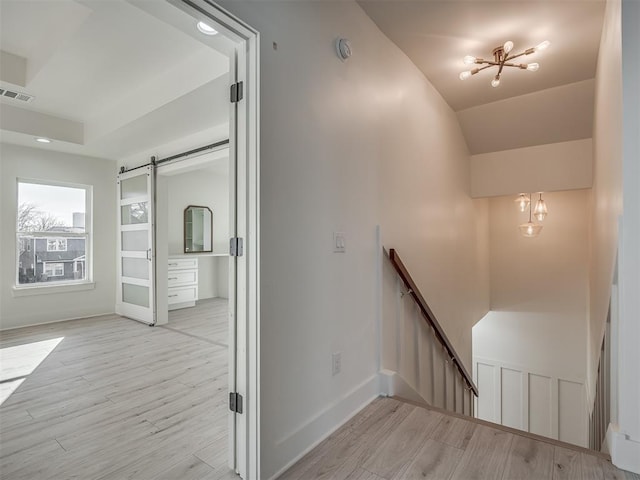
[
  {"x": 625, "y": 452},
  {"x": 391, "y": 383},
  {"x": 36, "y": 324},
  {"x": 306, "y": 437}
]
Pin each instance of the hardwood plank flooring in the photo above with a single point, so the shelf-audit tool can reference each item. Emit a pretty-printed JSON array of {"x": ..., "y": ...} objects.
[
  {"x": 111, "y": 398},
  {"x": 395, "y": 440}
]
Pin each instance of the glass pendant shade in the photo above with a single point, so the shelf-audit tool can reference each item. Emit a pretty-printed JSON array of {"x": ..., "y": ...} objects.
[
  {"x": 523, "y": 202},
  {"x": 530, "y": 229},
  {"x": 540, "y": 212}
]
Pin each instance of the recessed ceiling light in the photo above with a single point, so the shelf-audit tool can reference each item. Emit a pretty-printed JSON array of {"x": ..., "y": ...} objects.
[
  {"x": 42, "y": 140},
  {"x": 206, "y": 29}
]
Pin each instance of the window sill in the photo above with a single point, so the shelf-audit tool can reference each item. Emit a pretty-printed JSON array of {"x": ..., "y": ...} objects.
[{"x": 50, "y": 289}]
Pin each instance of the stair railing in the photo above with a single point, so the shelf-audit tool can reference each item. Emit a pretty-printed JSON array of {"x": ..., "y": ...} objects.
[{"x": 430, "y": 319}]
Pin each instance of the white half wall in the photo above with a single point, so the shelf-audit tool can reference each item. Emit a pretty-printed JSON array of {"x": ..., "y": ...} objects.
[
  {"x": 542, "y": 168},
  {"x": 35, "y": 163},
  {"x": 533, "y": 401}
]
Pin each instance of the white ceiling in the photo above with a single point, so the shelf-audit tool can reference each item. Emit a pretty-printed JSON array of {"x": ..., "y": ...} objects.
[
  {"x": 528, "y": 108},
  {"x": 116, "y": 73}
]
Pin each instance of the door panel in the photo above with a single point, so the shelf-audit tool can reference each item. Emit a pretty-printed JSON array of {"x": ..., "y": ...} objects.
[{"x": 136, "y": 295}]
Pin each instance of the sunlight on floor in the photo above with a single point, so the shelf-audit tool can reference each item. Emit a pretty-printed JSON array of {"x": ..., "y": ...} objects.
[{"x": 17, "y": 363}]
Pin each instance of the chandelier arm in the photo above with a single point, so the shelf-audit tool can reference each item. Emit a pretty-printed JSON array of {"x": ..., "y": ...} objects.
[
  {"x": 519, "y": 55},
  {"x": 483, "y": 68},
  {"x": 489, "y": 62}
]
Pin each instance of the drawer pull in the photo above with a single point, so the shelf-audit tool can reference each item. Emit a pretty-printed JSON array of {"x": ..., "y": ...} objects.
[
  {"x": 173, "y": 278},
  {"x": 173, "y": 264},
  {"x": 174, "y": 295}
]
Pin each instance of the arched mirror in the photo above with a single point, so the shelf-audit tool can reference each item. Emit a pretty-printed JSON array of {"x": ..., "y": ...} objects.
[{"x": 198, "y": 229}]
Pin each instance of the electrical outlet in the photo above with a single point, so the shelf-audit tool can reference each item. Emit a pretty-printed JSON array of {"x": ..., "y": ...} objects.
[{"x": 336, "y": 363}]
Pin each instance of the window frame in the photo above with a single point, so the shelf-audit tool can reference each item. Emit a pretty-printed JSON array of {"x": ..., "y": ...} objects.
[
  {"x": 87, "y": 235},
  {"x": 55, "y": 265},
  {"x": 57, "y": 244}
]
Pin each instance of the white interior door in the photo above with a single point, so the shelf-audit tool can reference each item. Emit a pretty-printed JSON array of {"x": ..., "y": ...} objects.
[{"x": 136, "y": 252}]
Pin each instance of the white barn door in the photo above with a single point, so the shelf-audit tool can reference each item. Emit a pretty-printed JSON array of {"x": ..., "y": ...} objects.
[{"x": 136, "y": 249}]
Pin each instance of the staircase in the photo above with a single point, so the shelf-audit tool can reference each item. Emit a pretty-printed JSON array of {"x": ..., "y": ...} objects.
[
  {"x": 394, "y": 439},
  {"x": 427, "y": 368}
]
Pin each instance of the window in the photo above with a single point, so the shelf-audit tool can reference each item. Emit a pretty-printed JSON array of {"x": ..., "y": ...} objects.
[
  {"x": 53, "y": 233},
  {"x": 54, "y": 269},
  {"x": 56, "y": 244}
]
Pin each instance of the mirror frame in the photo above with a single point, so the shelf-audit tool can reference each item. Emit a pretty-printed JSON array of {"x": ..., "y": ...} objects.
[{"x": 184, "y": 229}]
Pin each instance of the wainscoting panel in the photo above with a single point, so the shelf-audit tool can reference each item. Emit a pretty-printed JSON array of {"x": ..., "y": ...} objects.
[
  {"x": 531, "y": 401},
  {"x": 571, "y": 426},
  {"x": 540, "y": 405},
  {"x": 511, "y": 398},
  {"x": 485, "y": 380}
]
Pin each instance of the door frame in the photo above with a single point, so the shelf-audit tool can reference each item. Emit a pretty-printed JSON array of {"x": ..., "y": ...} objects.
[{"x": 244, "y": 145}]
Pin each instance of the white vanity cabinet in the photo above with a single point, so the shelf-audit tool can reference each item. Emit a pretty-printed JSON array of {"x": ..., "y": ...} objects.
[{"x": 183, "y": 282}]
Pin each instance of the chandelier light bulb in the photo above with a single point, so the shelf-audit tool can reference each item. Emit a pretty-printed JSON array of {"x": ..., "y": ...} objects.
[
  {"x": 495, "y": 82},
  {"x": 508, "y": 46},
  {"x": 464, "y": 75},
  {"x": 469, "y": 60},
  {"x": 533, "y": 67},
  {"x": 542, "y": 46}
]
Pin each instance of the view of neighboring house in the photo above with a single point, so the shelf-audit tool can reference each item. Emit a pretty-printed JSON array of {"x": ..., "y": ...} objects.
[
  {"x": 53, "y": 256},
  {"x": 51, "y": 259}
]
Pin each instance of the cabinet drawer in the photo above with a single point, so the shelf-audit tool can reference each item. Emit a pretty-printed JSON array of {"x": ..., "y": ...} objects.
[
  {"x": 183, "y": 277},
  {"x": 182, "y": 263},
  {"x": 183, "y": 294}
]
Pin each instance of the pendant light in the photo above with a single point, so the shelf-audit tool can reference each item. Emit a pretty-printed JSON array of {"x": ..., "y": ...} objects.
[
  {"x": 540, "y": 212},
  {"x": 530, "y": 229},
  {"x": 523, "y": 201}
]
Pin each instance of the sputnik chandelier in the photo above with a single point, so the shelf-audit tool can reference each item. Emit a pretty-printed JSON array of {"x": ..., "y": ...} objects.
[{"x": 501, "y": 59}]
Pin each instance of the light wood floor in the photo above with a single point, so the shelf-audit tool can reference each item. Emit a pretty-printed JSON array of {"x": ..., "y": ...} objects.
[
  {"x": 116, "y": 399},
  {"x": 394, "y": 440}
]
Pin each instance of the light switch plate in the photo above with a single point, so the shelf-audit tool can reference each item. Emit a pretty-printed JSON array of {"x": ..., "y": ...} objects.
[
  {"x": 336, "y": 363},
  {"x": 339, "y": 242}
]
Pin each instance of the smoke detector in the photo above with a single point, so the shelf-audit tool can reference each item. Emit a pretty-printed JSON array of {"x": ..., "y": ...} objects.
[
  {"x": 343, "y": 49},
  {"x": 19, "y": 96}
]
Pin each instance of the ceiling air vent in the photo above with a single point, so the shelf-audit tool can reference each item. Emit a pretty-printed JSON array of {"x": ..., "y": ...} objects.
[{"x": 23, "y": 97}]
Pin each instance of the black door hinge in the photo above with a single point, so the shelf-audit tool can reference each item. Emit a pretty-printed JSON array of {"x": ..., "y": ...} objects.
[
  {"x": 237, "y": 93},
  {"x": 235, "y": 247},
  {"x": 235, "y": 402}
]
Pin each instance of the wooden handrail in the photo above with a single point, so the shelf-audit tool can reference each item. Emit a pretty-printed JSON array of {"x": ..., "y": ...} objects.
[{"x": 430, "y": 317}]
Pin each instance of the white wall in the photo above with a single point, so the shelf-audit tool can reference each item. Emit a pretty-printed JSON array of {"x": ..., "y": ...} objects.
[
  {"x": 209, "y": 189},
  {"x": 542, "y": 168},
  {"x": 539, "y": 288},
  {"x": 345, "y": 146},
  {"x": 33, "y": 163},
  {"x": 625, "y": 448},
  {"x": 607, "y": 181}
]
